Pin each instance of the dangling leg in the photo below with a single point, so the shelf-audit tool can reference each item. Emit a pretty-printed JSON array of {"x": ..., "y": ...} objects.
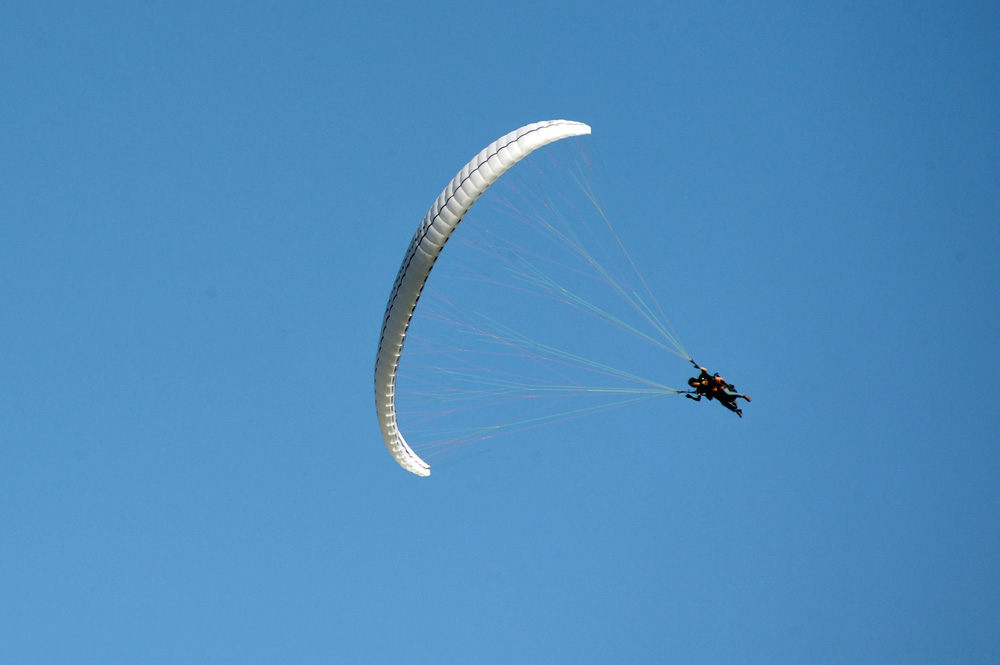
[
  {"x": 731, "y": 405},
  {"x": 730, "y": 391}
]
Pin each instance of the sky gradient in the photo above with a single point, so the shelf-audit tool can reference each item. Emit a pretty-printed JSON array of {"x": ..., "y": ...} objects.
[{"x": 202, "y": 211}]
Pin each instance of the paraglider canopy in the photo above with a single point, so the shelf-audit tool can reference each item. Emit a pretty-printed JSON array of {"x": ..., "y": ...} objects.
[{"x": 438, "y": 224}]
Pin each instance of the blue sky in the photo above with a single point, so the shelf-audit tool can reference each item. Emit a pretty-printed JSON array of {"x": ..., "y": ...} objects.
[{"x": 202, "y": 210}]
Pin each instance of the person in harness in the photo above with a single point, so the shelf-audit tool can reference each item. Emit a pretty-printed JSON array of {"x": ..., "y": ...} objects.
[{"x": 713, "y": 386}]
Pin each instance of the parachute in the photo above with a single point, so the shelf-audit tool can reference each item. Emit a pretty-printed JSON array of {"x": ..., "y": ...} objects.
[{"x": 437, "y": 226}]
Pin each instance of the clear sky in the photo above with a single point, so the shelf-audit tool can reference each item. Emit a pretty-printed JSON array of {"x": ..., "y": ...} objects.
[{"x": 203, "y": 207}]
